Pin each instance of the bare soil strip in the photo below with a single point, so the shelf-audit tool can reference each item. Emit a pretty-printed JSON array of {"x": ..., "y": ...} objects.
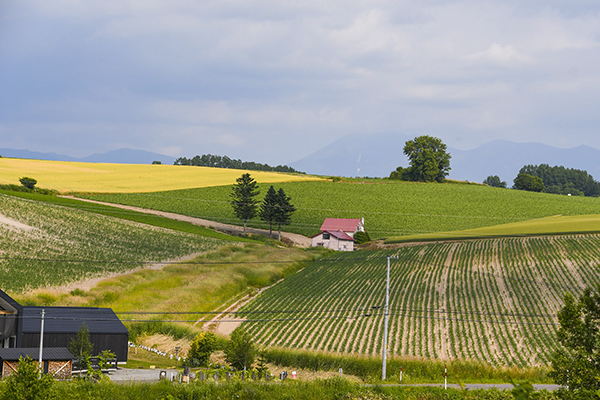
[
  {"x": 15, "y": 224},
  {"x": 298, "y": 240}
]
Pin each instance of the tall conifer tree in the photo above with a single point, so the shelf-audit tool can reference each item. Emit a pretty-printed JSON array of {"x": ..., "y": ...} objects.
[
  {"x": 243, "y": 194},
  {"x": 284, "y": 210},
  {"x": 268, "y": 208}
]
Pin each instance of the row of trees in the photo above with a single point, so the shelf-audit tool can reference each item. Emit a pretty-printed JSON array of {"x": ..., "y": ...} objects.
[
  {"x": 557, "y": 180},
  {"x": 561, "y": 180},
  {"x": 429, "y": 160},
  {"x": 276, "y": 207},
  {"x": 210, "y": 160}
]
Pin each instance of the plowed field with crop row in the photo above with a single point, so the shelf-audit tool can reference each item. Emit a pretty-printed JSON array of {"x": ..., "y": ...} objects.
[{"x": 493, "y": 300}]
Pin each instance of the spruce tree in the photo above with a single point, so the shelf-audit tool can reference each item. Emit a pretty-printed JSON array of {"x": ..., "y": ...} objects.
[
  {"x": 243, "y": 194},
  {"x": 283, "y": 210},
  {"x": 268, "y": 208}
]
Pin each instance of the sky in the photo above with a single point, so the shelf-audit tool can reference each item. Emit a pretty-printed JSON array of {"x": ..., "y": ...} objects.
[{"x": 274, "y": 81}]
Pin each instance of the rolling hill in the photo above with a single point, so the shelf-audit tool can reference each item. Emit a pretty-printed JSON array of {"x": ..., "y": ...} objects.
[
  {"x": 390, "y": 208},
  {"x": 103, "y": 177}
]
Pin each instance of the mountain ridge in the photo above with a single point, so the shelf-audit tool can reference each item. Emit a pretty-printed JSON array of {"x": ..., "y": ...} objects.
[{"x": 378, "y": 155}]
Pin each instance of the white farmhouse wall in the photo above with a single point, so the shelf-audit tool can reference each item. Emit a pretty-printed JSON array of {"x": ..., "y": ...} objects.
[{"x": 333, "y": 243}]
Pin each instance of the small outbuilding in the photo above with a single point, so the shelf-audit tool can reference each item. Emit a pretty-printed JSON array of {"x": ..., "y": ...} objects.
[{"x": 57, "y": 361}]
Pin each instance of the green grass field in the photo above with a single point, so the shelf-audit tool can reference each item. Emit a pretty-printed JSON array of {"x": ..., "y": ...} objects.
[
  {"x": 390, "y": 208},
  {"x": 493, "y": 300},
  {"x": 543, "y": 226}
]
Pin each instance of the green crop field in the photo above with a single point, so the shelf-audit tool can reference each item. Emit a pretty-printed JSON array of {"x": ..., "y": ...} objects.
[
  {"x": 390, "y": 208},
  {"x": 493, "y": 300},
  {"x": 47, "y": 245}
]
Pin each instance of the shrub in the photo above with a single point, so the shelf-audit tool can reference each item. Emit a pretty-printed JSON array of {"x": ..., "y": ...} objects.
[
  {"x": 203, "y": 345},
  {"x": 361, "y": 237},
  {"x": 27, "y": 384},
  {"x": 240, "y": 350},
  {"x": 29, "y": 183}
]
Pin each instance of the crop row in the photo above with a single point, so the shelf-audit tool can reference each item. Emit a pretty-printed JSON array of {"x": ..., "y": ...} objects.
[
  {"x": 493, "y": 300},
  {"x": 64, "y": 245},
  {"x": 390, "y": 208}
]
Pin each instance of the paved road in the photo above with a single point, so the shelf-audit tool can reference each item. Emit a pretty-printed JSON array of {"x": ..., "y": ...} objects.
[
  {"x": 124, "y": 375},
  {"x": 299, "y": 240}
]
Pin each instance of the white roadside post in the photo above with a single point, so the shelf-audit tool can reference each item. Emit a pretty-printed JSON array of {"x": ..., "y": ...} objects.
[
  {"x": 445, "y": 377},
  {"x": 40, "y": 366},
  {"x": 386, "y": 314}
]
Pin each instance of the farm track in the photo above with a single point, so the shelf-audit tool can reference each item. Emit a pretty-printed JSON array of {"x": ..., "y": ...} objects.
[
  {"x": 298, "y": 240},
  {"x": 494, "y": 300}
]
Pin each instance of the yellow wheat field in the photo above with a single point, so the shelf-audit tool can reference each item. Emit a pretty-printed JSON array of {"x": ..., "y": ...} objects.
[{"x": 126, "y": 178}]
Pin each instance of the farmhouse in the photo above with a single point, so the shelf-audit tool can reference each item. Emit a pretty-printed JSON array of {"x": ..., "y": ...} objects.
[
  {"x": 20, "y": 327},
  {"x": 338, "y": 233}
]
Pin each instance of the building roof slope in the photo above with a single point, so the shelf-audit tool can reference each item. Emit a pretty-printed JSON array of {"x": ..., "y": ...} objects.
[
  {"x": 69, "y": 320},
  {"x": 49, "y": 353},
  {"x": 340, "y": 224}
]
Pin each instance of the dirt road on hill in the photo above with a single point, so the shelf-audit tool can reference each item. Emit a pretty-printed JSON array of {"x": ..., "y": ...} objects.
[{"x": 298, "y": 240}]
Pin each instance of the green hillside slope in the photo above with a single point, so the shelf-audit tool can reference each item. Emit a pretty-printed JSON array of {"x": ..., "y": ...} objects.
[
  {"x": 493, "y": 300},
  {"x": 390, "y": 208},
  {"x": 543, "y": 226},
  {"x": 44, "y": 245}
]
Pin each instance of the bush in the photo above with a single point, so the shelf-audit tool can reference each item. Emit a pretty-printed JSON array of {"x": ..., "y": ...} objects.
[
  {"x": 29, "y": 183},
  {"x": 201, "y": 348},
  {"x": 361, "y": 237},
  {"x": 27, "y": 384},
  {"x": 240, "y": 350}
]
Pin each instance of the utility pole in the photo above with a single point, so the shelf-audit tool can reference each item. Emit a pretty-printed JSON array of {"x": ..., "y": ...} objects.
[
  {"x": 386, "y": 314},
  {"x": 40, "y": 366}
]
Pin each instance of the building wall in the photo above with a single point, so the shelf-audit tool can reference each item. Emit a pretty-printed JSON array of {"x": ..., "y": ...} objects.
[{"x": 332, "y": 243}]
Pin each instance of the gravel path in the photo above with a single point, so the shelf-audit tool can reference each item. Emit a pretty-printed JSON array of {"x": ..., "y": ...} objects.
[
  {"x": 124, "y": 375},
  {"x": 298, "y": 240}
]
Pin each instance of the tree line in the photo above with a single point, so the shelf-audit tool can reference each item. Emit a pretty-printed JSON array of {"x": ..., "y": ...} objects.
[
  {"x": 210, "y": 160},
  {"x": 547, "y": 179}
]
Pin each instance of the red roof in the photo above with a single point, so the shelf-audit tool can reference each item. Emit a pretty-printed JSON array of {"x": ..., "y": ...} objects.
[
  {"x": 337, "y": 234},
  {"x": 340, "y": 224}
]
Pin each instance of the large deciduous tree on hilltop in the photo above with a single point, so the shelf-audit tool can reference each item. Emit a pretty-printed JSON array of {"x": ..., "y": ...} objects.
[
  {"x": 429, "y": 160},
  {"x": 243, "y": 194}
]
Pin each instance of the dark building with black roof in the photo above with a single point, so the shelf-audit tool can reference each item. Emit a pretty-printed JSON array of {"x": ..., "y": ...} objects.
[{"x": 20, "y": 327}]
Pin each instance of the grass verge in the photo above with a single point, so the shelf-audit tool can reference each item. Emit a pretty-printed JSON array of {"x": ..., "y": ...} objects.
[{"x": 414, "y": 370}]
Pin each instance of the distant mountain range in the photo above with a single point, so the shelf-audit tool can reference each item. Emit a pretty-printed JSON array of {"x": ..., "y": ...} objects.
[
  {"x": 378, "y": 155},
  {"x": 120, "y": 156}
]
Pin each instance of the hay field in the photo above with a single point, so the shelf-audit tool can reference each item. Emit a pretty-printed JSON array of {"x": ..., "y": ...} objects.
[{"x": 126, "y": 178}]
